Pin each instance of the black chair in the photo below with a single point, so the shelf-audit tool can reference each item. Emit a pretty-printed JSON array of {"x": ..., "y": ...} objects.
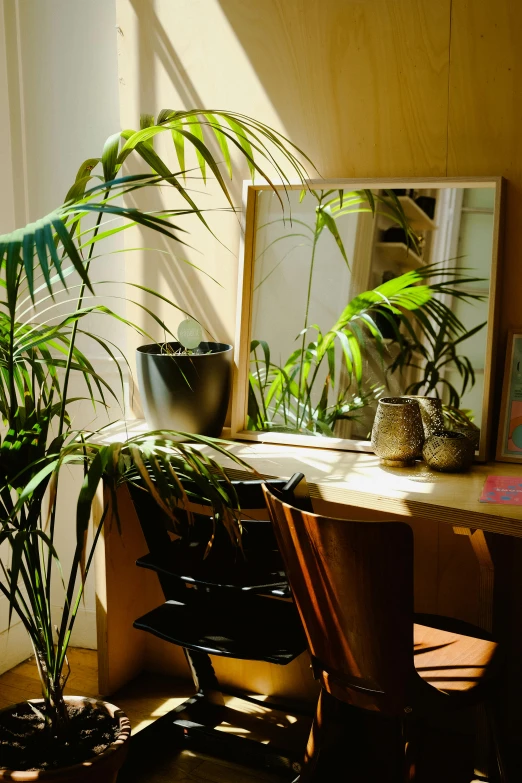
[{"x": 229, "y": 603}]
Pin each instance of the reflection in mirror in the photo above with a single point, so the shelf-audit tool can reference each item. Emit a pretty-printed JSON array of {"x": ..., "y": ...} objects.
[{"x": 362, "y": 293}]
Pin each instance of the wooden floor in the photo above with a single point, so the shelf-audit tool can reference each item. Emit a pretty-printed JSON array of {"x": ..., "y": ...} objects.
[
  {"x": 22, "y": 683},
  {"x": 143, "y": 700},
  {"x": 151, "y": 696},
  {"x": 192, "y": 767}
]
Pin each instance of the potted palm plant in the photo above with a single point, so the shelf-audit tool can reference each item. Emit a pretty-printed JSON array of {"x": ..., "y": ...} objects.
[{"x": 60, "y": 737}]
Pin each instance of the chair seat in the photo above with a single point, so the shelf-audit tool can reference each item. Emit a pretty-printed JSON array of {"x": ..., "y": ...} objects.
[
  {"x": 450, "y": 661},
  {"x": 254, "y": 628}
]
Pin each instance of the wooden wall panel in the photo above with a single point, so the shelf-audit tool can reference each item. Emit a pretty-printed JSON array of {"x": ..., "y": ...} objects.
[
  {"x": 361, "y": 86},
  {"x": 484, "y": 135},
  {"x": 380, "y": 88},
  {"x": 485, "y": 125}
]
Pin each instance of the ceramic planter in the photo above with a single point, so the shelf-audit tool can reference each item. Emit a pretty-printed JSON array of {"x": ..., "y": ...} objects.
[
  {"x": 185, "y": 393},
  {"x": 99, "y": 769}
]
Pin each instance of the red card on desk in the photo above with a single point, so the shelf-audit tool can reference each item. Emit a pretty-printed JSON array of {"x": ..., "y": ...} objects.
[{"x": 505, "y": 490}]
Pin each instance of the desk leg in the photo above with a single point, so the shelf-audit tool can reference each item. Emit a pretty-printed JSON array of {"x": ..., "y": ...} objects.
[
  {"x": 120, "y": 597},
  {"x": 485, "y": 620},
  {"x": 486, "y": 576}
]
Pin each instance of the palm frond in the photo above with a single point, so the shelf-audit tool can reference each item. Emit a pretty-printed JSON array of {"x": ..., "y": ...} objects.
[{"x": 38, "y": 355}]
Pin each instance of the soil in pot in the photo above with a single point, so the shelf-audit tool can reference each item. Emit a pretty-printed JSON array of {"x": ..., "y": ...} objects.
[{"x": 25, "y": 745}]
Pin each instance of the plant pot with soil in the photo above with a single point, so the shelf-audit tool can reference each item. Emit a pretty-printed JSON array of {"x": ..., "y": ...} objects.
[{"x": 97, "y": 742}]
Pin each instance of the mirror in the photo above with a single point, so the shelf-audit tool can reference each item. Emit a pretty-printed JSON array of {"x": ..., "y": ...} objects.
[{"x": 362, "y": 289}]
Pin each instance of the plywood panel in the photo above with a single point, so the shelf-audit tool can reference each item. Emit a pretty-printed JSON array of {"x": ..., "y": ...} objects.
[
  {"x": 293, "y": 682},
  {"x": 362, "y": 87},
  {"x": 457, "y": 577},
  {"x": 120, "y": 647},
  {"x": 485, "y": 123},
  {"x": 124, "y": 593}
]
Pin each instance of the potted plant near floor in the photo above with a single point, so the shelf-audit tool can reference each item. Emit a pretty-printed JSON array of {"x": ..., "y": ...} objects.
[{"x": 60, "y": 737}]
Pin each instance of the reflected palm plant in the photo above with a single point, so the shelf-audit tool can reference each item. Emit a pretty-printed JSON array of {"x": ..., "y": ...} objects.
[
  {"x": 431, "y": 358},
  {"x": 47, "y": 292},
  {"x": 274, "y": 401},
  {"x": 321, "y": 382}
]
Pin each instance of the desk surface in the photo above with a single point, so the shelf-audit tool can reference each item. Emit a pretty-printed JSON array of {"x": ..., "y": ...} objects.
[{"x": 358, "y": 479}]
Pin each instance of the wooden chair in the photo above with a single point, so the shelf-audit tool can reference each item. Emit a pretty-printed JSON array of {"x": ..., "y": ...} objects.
[
  {"x": 227, "y": 604},
  {"x": 353, "y": 586}
]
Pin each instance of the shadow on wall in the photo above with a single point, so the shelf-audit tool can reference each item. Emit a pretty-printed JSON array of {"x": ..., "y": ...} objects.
[
  {"x": 322, "y": 69},
  {"x": 362, "y": 87},
  {"x": 156, "y": 46},
  {"x": 167, "y": 271}
]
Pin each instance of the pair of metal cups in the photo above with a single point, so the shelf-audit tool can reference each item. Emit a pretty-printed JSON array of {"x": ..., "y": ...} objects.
[{"x": 410, "y": 428}]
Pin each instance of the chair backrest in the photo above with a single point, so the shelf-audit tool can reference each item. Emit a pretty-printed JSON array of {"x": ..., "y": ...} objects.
[
  {"x": 353, "y": 585},
  {"x": 204, "y": 554},
  {"x": 155, "y": 523}
]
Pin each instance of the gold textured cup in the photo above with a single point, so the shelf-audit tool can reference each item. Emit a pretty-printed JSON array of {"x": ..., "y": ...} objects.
[
  {"x": 431, "y": 413},
  {"x": 473, "y": 433},
  {"x": 449, "y": 451},
  {"x": 398, "y": 433}
]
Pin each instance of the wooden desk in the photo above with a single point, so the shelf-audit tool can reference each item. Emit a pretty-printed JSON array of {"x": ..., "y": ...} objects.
[
  {"x": 449, "y": 580},
  {"x": 358, "y": 480}
]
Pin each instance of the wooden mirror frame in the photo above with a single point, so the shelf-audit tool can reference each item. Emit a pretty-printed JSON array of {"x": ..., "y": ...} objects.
[{"x": 245, "y": 293}]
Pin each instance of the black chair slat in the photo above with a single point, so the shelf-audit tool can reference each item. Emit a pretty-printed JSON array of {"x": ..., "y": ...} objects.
[
  {"x": 258, "y": 629},
  {"x": 185, "y": 561},
  {"x": 249, "y": 492}
]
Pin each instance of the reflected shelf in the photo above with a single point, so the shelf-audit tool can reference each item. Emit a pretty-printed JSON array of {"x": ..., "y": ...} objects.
[
  {"x": 417, "y": 218},
  {"x": 398, "y": 253}
]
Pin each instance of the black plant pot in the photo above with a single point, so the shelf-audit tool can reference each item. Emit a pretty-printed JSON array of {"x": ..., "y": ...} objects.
[{"x": 185, "y": 393}]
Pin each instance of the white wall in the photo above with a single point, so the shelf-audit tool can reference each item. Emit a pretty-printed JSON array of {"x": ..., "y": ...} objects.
[
  {"x": 283, "y": 253},
  {"x": 7, "y": 221},
  {"x": 59, "y": 93},
  {"x": 186, "y": 55},
  {"x": 279, "y": 302}
]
